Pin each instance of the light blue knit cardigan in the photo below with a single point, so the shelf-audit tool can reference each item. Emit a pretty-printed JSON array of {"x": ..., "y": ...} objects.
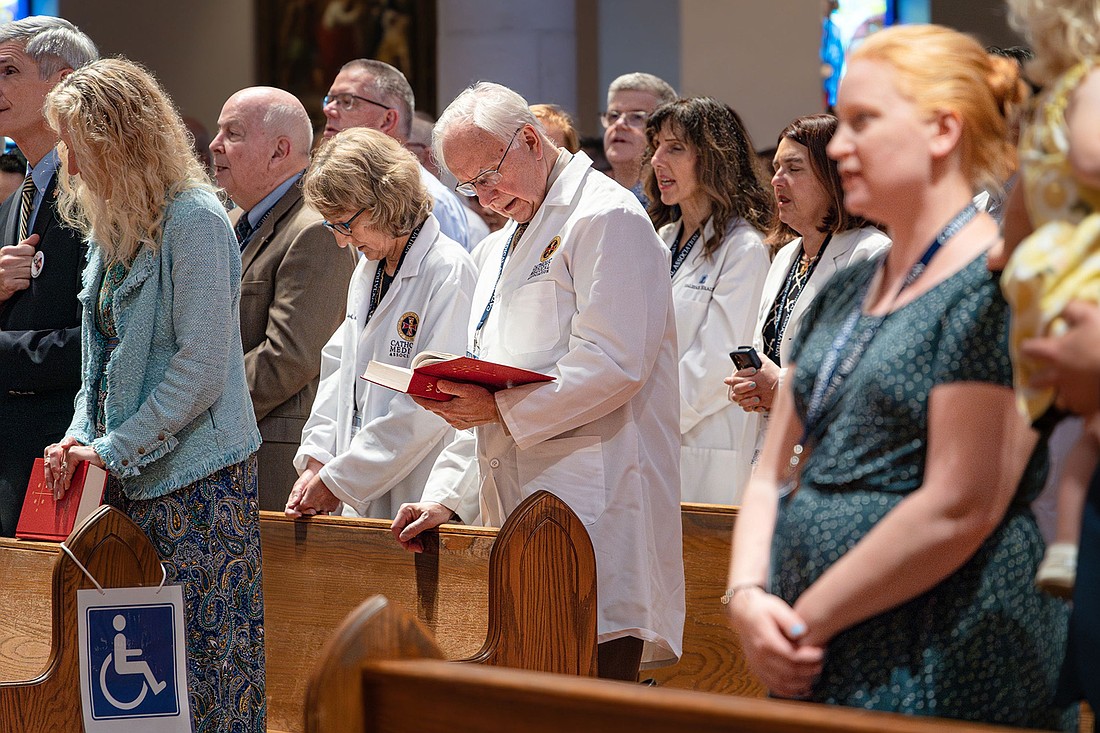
[{"x": 177, "y": 406}]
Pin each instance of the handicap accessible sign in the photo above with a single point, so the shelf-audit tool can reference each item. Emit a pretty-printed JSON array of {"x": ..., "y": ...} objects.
[{"x": 133, "y": 670}]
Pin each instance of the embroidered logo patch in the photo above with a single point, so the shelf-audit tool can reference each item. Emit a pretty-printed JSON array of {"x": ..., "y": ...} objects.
[
  {"x": 406, "y": 327},
  {"x": 550, "y": 249}
]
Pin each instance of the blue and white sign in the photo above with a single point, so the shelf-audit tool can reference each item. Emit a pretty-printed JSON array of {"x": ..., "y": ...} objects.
[{"x": 133, "y": 667}]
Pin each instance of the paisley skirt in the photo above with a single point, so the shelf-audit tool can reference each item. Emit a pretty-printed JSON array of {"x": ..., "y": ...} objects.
[{"x": 208, "y": 536}]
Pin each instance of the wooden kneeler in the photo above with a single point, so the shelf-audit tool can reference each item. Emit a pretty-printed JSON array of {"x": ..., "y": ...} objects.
[
  {"x": 119, "y": 555},
  {"x": 542, "y": 616}
]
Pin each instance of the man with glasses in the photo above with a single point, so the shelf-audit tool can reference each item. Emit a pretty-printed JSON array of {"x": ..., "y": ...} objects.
[
  {"x": 576, "y": 286},
  {"x": 631, "y": 99},
  {"x": 369, "y": 93},
  {"x": 294, "y": 279}
]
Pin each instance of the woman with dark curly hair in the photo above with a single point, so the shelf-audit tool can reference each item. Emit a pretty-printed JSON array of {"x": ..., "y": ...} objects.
[{"x": 711, "y": 208}]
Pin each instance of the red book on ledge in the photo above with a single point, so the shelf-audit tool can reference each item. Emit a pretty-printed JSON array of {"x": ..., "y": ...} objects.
[
  {"x": 428, "y": 367},
  {"x": 43, "y": 518}
]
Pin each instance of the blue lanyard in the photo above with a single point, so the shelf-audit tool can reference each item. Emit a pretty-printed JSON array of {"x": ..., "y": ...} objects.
[
  {"x": 834, "y": 370},
  {"x": 376, "y": 293},
  {"x": 476, "y": 351},
  {"x": 685, "y": 250}
]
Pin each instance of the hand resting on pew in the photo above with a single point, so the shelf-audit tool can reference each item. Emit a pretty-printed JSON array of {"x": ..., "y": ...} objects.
[
  {"x": 412, "y": 519},
  {"x": 309, "y": 495}
]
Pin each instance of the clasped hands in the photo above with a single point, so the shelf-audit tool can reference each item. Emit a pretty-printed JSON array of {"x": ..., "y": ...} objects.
[
  {"x": 61, "y": 460},
  {"x": 310, "y": 495},
  {"x": 779, "y": 647}
]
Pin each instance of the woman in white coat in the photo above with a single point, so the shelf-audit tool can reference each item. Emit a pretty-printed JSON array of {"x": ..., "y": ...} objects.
[
  {"x": 709, "y": 206},
  {"x": 826, "y": 239},
  {"x": 365, "y": 446}
]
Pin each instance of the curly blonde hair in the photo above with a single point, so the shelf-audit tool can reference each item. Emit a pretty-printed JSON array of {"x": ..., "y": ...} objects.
[
  {"x": 133, "y": 151},
  {"x": 1061, "y": 32},
  {"x": 938, "y": 68}
]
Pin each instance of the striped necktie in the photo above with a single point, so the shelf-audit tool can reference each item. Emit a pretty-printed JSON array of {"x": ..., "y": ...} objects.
[
  {"x": 243, "y": 230},
  {"x": 26, "y": 206}
]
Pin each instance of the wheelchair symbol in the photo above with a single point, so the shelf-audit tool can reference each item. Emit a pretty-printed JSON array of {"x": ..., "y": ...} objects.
[{"x": 124, "y": 663}]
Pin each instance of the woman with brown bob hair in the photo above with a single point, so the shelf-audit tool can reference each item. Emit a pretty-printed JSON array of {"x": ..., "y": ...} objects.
[
  {"x": 822, "y": 238},
  {"x": 367, "y": 449},
  {"x": 710, "y": 208}
]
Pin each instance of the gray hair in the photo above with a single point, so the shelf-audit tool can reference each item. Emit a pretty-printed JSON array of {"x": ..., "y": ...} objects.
[
  {"x": 53, "y": 43},
  {"x": 488, "y": 106},
  {"x": 292, "y": 120},
  {"x": 392, "y": 89},
  {"x": 639, "y": 81}
]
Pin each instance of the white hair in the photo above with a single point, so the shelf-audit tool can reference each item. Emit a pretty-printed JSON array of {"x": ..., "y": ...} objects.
[{"x": 488, "y": 106}]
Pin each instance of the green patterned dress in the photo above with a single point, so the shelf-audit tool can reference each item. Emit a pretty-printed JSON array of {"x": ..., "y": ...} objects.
[{"x": 983, "y": 644}]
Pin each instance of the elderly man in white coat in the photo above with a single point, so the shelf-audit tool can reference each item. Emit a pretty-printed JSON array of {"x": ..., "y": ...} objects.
[
  {"x": 578, "y": 288},
  {"x": 364, "y": 445}
]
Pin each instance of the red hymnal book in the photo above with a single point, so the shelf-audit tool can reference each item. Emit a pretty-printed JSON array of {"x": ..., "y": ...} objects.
[
  {"x": 44, "y": 518},
  {"x": 428, "y": 367}
]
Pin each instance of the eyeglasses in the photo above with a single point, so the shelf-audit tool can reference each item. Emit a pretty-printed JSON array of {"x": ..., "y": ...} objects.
[
  {"x": 635, "y": 118},
  {"x": 347, "y": 102},
  {"x": 342, "y": 227},
  {"x": 489, "y": 178}
]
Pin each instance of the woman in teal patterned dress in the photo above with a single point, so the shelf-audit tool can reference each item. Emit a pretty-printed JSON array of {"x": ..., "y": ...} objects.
[
  {"x": 164, "y": 405},
  {"x": 900, "y": 572}
]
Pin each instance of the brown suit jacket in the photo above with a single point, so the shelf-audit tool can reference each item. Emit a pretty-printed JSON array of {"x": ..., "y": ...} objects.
[{"x": 294, "y": 282}]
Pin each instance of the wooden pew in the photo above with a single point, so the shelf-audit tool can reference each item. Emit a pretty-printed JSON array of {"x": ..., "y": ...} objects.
[
  {"x": 538, "y": 577},
  {"x": 405, "y": 685},
  {"x": 315, "y": 574},
  {"x": 318, "y": 570},
  {"x": 712, "y": 660},
  {"x": 117, "y": 554},
  {"x": 542, "y": 612}
]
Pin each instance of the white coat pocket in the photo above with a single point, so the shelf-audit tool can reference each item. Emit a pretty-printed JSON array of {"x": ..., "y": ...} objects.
[
  {"x": 532, "y": 321},
  {"x": 570, "y": 468}
]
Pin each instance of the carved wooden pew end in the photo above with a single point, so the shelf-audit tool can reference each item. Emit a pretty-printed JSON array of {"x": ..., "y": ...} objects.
[
  {"x": 117, "y": 553},
  {"x": 542, "y": 615}
]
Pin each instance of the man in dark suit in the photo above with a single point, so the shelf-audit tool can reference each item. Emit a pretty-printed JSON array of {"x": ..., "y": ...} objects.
[
  {"x": 294, "y": 278},
  {"x": 41, "y": 260}
]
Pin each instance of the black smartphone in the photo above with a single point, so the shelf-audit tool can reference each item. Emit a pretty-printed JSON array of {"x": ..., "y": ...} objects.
[{"x": 745, "y": 357}]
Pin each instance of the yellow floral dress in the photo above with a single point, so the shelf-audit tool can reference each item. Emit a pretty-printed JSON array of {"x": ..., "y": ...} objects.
[{"x": 1060, "y": 260}]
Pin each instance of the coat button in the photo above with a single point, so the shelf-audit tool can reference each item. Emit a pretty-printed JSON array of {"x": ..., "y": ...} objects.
[
  {"x": 125, "y": 462},
  {"x": 494, "y": 463},
  {"x": 160, "y": 436},
  {"x": 141, "y": 451}
]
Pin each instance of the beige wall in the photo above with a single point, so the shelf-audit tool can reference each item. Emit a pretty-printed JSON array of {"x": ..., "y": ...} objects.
[
  {"x": 759, "y": 56},
  {"x": 201, "y": 50}
]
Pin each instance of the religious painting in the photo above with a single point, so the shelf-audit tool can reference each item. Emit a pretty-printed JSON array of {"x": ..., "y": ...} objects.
[{"x": 301, "y": 44}]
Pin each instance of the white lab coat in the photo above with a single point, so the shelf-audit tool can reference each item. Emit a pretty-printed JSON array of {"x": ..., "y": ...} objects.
[
  {"x": 716, "y": 300},
  {"x": 586, "y": 297},
  {"x": 387, "y": 462},
  {"x": 844, "y": 249}
]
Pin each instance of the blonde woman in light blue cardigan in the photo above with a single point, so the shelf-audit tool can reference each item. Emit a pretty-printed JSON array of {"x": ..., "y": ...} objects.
[{"x": 163, "y": 405}]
